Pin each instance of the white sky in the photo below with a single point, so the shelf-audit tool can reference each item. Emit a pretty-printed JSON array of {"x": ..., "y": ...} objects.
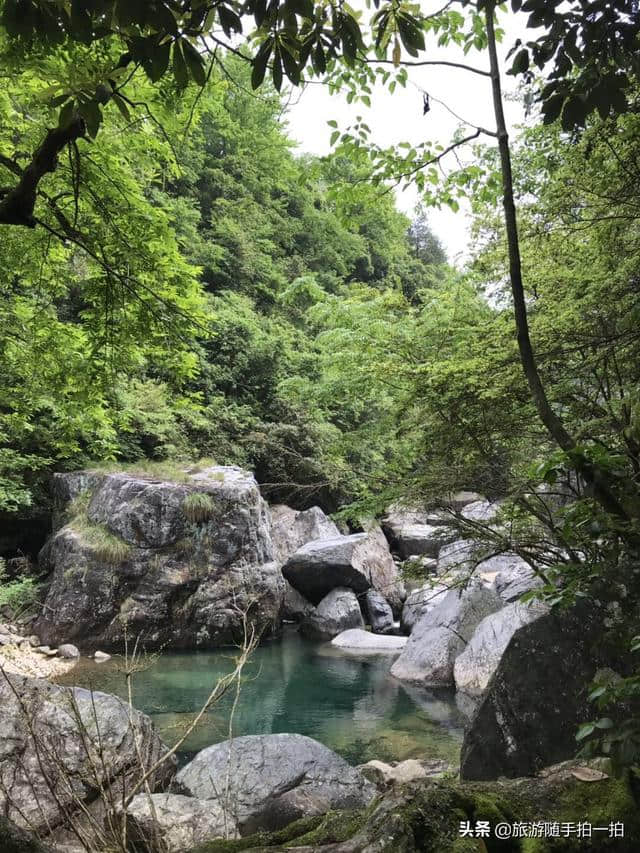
[{"x": 398, "y": 117}]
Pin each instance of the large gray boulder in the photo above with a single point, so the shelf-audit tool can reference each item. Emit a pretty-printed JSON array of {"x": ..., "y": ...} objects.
[
  {"x": 477, "y": 663},
  {"x": 412, "y": 538},
  {"x": 360, "y": 561},
  {"x": 176, "y": 563},
  {"x": 60, "y": 745},
  {"x": 267, "y": 781},
  {"x": 481, "y": 511},
  {"x": 378, "y": 612},
  {"x": 419, "y": 602},
  {"x": 338, "y": 611},
  {"x": 538, "y": 696},
  {"x": 442, "y": 633},
  {"x": 291, "y": 528},
  {"x": 173, "y": 823}
]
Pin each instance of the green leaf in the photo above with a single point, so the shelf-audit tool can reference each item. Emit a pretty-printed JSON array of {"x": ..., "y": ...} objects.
[
  {"x": 195, "y": 62},
  {"x": 229, "y": 21},
  {"x": 585, "y": 730},
  {"x": 552, "y": 108},
  {"x": 277, "y": 70},
  {"x": 180, "y": 70},
  {"x": 260, "y": 62},
  {"x": 122, "y": 106},
  {"x": 92, "y": 114},
  {"x": 334, "y": 137},
  {"x": 81, "y": 26},
  {"x": 66, "y": 115},
  {"x": 158, "y": 61},
  {"x": 521, "y": 62}
]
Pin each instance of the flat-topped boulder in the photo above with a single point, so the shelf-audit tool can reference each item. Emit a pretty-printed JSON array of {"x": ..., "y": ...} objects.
[
  {"x": 268, "y": 781},
  {"x": 175, "y": 561},
  {"x": 52, "y": 735},
  {"x": 338, "y": 611},
  {"x": 360, "y": 561},
  {"x": 412, "y": 539},
  {"x": 358, "y": 640}
]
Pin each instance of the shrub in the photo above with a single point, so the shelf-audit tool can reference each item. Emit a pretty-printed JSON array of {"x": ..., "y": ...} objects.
[{"x": 17, "y": 595}]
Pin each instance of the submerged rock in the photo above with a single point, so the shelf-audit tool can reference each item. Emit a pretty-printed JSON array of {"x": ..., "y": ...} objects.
[
  {"x": 441, "y": 635},
  {"x": 268, "y": 781},
  {"x": 172, "y": 562},
  {"x": 60, "y": 745},
  {"x": 338, "y": 611}
]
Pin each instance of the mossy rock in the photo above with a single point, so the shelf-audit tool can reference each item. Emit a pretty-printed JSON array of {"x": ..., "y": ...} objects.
[{"x": 425, "y": 817}]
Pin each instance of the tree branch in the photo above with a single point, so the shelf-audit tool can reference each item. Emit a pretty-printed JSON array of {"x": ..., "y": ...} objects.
[{"x": 17, "y": 206}]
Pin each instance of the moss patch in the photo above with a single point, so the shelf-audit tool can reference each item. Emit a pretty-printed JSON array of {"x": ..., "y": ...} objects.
[{"x": 425, "y": 818}]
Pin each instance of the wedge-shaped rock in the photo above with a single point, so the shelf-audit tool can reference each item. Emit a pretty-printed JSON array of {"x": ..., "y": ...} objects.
[
  {"x": 292, "y": 528},
  {"x": 477, "y": 663},
  {"x": 442, "y": 634}
]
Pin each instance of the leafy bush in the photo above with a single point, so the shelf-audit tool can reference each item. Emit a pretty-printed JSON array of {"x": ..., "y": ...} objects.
[{"x": 17, "y": 595}]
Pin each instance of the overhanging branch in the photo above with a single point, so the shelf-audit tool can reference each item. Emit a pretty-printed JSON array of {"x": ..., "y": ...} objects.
[{"x": 17, "y": 205}]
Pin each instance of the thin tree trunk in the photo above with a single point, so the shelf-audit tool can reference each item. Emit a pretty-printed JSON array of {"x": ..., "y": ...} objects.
[{"x": 600, "y": 486}]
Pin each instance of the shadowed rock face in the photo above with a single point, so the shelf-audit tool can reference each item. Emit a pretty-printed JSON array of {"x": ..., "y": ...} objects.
[
  {"x": 338, "y": 611},
  {"x": 182, "y": 562},
  {"x": 44, "y": 747},
  {"x": 537, "y": 697},
  {"x": 267, "y": 781}
]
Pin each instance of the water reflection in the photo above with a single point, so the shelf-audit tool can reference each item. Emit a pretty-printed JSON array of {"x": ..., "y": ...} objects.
[{"x": 349, "y": 703}]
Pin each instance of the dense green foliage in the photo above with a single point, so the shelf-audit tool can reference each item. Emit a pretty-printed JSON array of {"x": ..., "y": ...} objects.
[{"x": 183, "y": 320}]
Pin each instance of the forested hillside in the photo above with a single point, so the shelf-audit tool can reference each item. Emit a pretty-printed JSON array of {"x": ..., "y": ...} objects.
[{"x": 192, "y": 315}]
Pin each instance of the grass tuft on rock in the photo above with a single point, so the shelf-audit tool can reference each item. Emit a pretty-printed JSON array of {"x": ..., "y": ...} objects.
[
  {"x": 106, "y": 546},
  {"x": 198, "y": 507}
]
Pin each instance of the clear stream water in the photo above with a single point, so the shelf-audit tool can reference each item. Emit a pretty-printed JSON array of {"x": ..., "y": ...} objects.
[{"x": 349, "y": 703}]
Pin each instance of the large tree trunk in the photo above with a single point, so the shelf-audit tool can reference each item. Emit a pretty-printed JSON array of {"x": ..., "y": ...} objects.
[{"x": 596, "y": 480}]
